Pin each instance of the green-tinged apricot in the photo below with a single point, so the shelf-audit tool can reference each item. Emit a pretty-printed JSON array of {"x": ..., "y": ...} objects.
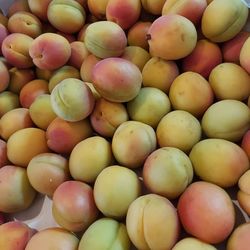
[
  {"x": 8, "y": 101},
  {"x": 4, "y": 76},
  {"x": 244, "y": 55}
]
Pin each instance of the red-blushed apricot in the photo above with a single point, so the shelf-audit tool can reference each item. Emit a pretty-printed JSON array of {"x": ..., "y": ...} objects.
[
  {"x": 231, "y": 49},
  {"x": 18, "y": 5},
  {"x": 124, "y": 13},
  {"x": 25, "y": 23},
  {"x": 8, "y": 101},
  {"x": 171, "y": 37},
  {"x": 19, "y": 77},
  {"x": 13, "y": 121},
  {"x": 72, "y": 100},
  {"x": 24, "y": 144},
  {"x": 107, "y": 116},
  {"x": 3, "y": 154},
  {"x": 39, "y": 8},
  {"x": 3, "y": 34},
  {"x": 208, "y": 154},
  {"x": 4, "y": 76},
  {"x": 245, "y": 143},
  {"x": 53, "y": 238},
  {"x": 205, "y": 56},
  {"x": 117, "y": 79},
  {"x": 152, "y": 222},
  {"x": 47, "y": 171},
  {"x": 31, "y": 90},
  {"x": 105, "y": 233},
  {"x": 137, "y": 34},
  {"x": 62, "y": 136},
  {"x": 132, "y": 143},
  {"x": 15, "y": 48},
  {"x": 41, "y": 112},
  {"x": 244, "y": 55},
  {"x": 44, "y": 74},
  {"x": 73, "y": 206},
  {"x": 79, "y": 52},
  {"x": 98, "y": 8},
  {"x": 159, "y": 73},
  {"x": 50, "y": 51},
  {"x": 16, "y": 192},
  {"x": 119, "y": 184},
  {"x": 153, "y": 6},
  {"x": 239, "y": 239},
  {"x": 181, "y": 93},
  {"x": 192, "y": 10},
  {"x": 15, "y": 235},
  {"x": 66, "y": 15},
  {"x": 210, "y": 205}
]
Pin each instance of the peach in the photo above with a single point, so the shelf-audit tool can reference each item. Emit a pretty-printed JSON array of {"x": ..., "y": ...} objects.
[
  {"x": 84, "y": 165},
  {"x": 41, "y": 111},
  {"x": 210, "y": 206},
  {"x": 19, "y": 77},
  {"x": 31, "y": 90},
  {"x": 105, "y": 39},
  {"x": 18, "y": 5},
  {"x": 105, "y": 233},
  {"x": 47, "y": 171},
  {"x": 152, "y": 222},
  {"x": 192, "y": 10},
  {"x": 124, "y": 13},
  {"x": 16, "y": 192},
  {"x": 107, "y": 116},
  {"x": 3, "y": 34},
  {"x": 192, "y": 243},
  {"x": 231, "y": 49},
  {"x": 205, "y": 56},
  {"x": 239, "y": 239},
  {"x": 87, "y": 66},
  {"x": 8, "y": 101},
  {"x": 119, "y": 185},
  {"x": 181, "y": 93},
  {"x": 4, "y": 76},
  {"x": 159, "y": 73},
  {"x": 178, "y": 129},
  {"x": 53, "y": 238},
  {"x": 73, "y": 206},
  {"x": 230, "y": 81},
  {"x": 244, "y": 55},
  {"x": 208, "y": 154},
  {"x": 62, "y": 136},
  {"x": 226, "y": 119},
  {"x": 50, "y": 51},
  {"x": 136, "y": 55},
  {"x": 62, "y": 73},
  {"x": 15, "y": 235},
  {"x": 15, "y": 48},
  {"x": 152, "y": 6},
  {"x": 79, "y": 52},
  {"x": 72, "y": 100},
  {"x": 66, "y": 15},
  {"x": 132, "y": 143},
  {"x": 137, "y": 34},
  {"x": 171, "y": 37},
  {"x": 117, "y": 74},
  {"x": 245, "y": 143},
  {"x": 13, "y": 121},
  {"x": 19, "y": 149},
  {"x": 167, "y": 172},
  {"x": 25, "y": 23},
  {"x": 234, "y": 15},
  {"x": 44, "y": 74},
  {"x": 98, "y": 8},
  {"x": 148, "y": 99},
  {"x": 39, "y": 8}
]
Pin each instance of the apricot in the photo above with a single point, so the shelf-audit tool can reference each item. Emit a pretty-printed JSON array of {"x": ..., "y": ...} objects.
[
  {"x": 245, "y": 143},
  {"x": 50, "y": 51},
  {"x": 3, "y": 154},
  {"x": 3, "y": 20},
  {"x": 119, "y": 185},
  {"x": 3, "y": 34},
  {"x": 39, "y": 8},
  {"x": 208, "y": 154},
  {"x": 132, "y": 143},
  {"x": 73, "y": 206},
  {"x": 98, "y": 8},
  {"x": 152, "y": 6},
  {"x": 16, "y": 192},
  {"x": 117, "y": 74},
  {"x": 72, "y": 100},
  {"x": 18, "y": 5},
  {"x": 152, "y": 222},
  {"x": 8, "y": 101},
  {"x": 244, "y": 55},
  {"x": 166, "y": 43},
  {"x": 44, "y": 74},
  {"x": 4, "y": 76}
]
